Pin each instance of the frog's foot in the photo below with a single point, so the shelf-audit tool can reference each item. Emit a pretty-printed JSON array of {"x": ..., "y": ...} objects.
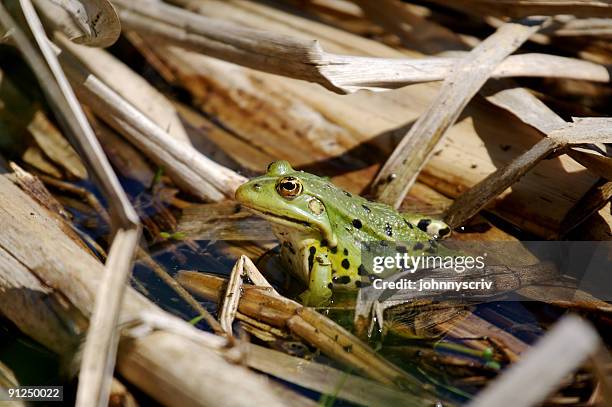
[{"x": 311, "y": 298}]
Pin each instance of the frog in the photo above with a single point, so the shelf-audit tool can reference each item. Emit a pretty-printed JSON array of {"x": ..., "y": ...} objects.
[{"x": 321, "y": 228}]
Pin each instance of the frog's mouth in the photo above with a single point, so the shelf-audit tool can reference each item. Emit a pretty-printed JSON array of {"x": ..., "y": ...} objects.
[
  {"x": 283, "y": 220},
  {"x": 296, "y": 224}
]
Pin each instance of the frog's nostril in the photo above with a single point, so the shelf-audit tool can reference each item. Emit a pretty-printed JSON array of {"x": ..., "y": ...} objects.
[{"x": 257, "y": 187}]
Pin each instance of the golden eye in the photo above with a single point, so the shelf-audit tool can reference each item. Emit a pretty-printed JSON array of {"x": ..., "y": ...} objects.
[{"x": 289, "y": 187}]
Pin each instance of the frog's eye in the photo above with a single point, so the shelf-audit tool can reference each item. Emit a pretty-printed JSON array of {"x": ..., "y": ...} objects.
[{"x": 289, "y": 187}]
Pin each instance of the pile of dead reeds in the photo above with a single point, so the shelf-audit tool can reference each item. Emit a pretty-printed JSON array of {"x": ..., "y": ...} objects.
[{"x": 411, "y": 104}]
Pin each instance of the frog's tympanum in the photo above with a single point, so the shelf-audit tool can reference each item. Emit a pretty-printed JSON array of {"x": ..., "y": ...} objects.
[{"x": 321, "y": 227}]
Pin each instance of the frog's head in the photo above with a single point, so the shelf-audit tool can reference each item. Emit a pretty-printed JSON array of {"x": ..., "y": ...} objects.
[{"x": 289, "y": 198}]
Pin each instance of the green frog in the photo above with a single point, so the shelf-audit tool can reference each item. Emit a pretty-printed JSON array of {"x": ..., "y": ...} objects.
[{"x": 321, "y": 228}]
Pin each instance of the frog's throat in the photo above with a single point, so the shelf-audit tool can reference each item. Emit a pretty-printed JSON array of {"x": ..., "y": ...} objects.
[{"x": 298, "y": 224}]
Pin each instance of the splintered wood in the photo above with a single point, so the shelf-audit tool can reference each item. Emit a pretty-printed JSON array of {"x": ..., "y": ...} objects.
[
  {"x": 401, "y": 169},
  {"x": 306, "y": 60}
]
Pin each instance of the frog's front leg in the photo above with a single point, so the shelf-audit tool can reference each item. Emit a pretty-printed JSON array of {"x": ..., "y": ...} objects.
[{"x": 320, "y": 282}]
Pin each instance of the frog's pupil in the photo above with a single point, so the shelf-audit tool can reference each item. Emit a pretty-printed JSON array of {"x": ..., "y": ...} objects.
[{"x": 289, "y": 187}]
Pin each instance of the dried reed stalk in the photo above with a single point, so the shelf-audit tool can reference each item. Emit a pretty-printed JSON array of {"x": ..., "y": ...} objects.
[
  {"x": 230, "y": 301},
  {"x": 128, "y": 84},
  {"x": 191, "y": 170},
  {"x": 306, "y": 60},
  {"x": 559, "y": 135},
  {"x": 92, "y": 22},
  {"x": 594, "y": 200},
  {"x": 572, "y": 337},
  {"x": 524, "y": 8},
  {"x": 96, "y": 373},
  {"x": 401, "y": 169}
]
